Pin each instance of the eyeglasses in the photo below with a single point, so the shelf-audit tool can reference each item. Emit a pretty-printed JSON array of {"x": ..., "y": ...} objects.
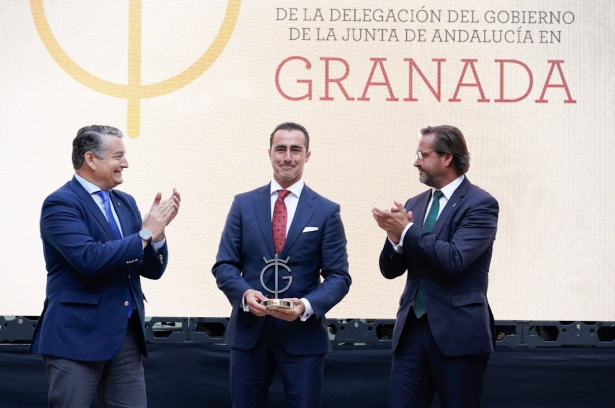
[{"x": 420, "y": 154}]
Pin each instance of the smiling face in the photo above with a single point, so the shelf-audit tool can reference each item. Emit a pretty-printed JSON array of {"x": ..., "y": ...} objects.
[
  {"x": 288, "y": 155},
  {"x": 107, "y": 172}
]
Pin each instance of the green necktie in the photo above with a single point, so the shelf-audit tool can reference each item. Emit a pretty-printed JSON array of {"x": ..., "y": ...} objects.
[{"x": 432, "y": 216}]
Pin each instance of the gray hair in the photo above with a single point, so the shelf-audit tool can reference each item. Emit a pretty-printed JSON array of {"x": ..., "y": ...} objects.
[{"x": 89, "y": 139}]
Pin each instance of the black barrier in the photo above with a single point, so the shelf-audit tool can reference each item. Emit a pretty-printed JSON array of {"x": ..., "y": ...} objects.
[
  {"x": 207, "y": 330},
  {"x": 358, "y": 332},
  {"x": 569, "y": 334},
  {"x": 17, "y": 329},
  {"x": 509, "y": 333},
  {"x": 194, "y": 375},
  {"x": 166, "y": 329}
]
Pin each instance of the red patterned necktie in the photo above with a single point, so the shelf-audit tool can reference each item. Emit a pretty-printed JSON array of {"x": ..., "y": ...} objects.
[{"x": 278, "y": 223}]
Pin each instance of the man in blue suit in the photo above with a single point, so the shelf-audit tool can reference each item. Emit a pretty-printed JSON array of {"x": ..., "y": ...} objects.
[
  {"x": 96, "y": 247},
  {"x": 444, "y": 239},
  {"x": 307, "y": 242}
]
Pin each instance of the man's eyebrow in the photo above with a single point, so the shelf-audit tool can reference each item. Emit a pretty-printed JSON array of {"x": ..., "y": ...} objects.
[{"x": 294, "y": 146}]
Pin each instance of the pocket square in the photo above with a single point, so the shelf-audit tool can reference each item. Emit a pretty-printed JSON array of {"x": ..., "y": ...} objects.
[{"x": 310, "y": 229}]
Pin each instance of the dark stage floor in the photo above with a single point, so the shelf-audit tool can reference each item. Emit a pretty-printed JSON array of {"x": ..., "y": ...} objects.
[{"x": 196, "y": 375}]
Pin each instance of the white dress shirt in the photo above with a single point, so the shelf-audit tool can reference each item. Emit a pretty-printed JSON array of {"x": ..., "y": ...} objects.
[
  {"x": 291, "y": 201},
  {"x": 447, "y": 193}
]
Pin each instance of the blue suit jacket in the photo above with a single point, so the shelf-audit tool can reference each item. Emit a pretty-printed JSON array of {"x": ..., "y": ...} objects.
[
  {"x": 451, "y": 263},
  {"x": 89, "y": 273},
  {"x": 247, "y": 238}
]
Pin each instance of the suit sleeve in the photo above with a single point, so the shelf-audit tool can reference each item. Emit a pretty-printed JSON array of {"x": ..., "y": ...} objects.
[
  {"x": 229, "y": 265},
  {"x": 334, "y": 268},
  {"x": 471, "y": 237},
  {"x": 154, "y": 263},
  {"x": 392, "y": 264},
  {"x": 64, "y": 227}
]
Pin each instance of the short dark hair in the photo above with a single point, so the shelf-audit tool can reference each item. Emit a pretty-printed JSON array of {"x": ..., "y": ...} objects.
[
  {"x": 449, "y": 139},
  {"x": 288, "y": 126},
  {"x": 89, "y": 139}
]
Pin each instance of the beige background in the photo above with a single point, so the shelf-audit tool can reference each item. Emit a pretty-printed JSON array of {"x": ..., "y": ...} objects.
[{"x": 548, "y": 164}]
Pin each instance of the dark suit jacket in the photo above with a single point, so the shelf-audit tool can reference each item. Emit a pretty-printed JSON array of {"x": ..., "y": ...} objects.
[
  {"x": 247, "y": 238},
  {"x": 451, "y": 263},
  {"x": 88, "y": 270}
]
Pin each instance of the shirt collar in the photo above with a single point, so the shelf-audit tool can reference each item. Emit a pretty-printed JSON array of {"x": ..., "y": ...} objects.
[
  {"x": 90, "y": 187},
  {"x": 294, "y": 189},
  {"x": 450, "y": 188}
]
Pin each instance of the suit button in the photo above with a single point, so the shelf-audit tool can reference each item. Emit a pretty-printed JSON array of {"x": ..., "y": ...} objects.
[
  {"x": 126, "y": 303},
  {"x": 128, "y": 276}
]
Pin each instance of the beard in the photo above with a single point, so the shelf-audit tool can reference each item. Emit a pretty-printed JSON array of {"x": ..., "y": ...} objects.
[
  {"x": 430, "y": 178},
  {"x": 424, "y": 178}
]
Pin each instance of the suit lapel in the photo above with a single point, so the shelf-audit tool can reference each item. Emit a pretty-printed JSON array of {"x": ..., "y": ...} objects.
[
  {"x": 418, "y": 215},
  {"x": 91, "y": 205},
  {"x": 262, "y": 209},
  {"x": 305, "y": 209},
  {"x": 451, "y": 205}
]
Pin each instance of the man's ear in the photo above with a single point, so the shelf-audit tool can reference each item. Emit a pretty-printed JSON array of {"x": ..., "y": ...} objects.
[
  {"x": 89, "y": 160},
  {"x": 448, "y": 159}
]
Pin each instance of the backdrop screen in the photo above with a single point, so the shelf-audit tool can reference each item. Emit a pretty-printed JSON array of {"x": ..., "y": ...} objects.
[{"x": 197, "y": 87}]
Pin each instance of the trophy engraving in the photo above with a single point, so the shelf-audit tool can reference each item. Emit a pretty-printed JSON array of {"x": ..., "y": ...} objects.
[{"x": 276, "y": 263}]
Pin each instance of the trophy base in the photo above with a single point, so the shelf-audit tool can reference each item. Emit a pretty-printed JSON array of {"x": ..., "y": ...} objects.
[{"x": 275, "y": 304}]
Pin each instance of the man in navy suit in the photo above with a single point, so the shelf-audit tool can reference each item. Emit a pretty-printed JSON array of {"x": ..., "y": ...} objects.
[
  {"x": 292, "y": 340},
  {"x": 96, "y": 247},
  {"x": 444, "y": 239}
]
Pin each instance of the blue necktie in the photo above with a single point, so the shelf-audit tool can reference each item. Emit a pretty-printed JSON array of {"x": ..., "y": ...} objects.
[
  {"x": 432, "y": 216},
  {"x": 104, "y": 194}
]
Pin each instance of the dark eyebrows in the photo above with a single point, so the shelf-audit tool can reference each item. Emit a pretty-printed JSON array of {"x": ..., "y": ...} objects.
[{"x": 293, "y": 147}]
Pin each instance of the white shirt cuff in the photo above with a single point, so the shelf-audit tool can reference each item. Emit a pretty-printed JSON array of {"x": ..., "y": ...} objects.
[
  {"x": 159, "y": 244},
  {"x": 244, "y": 305},
  {"x": 400, "y": 247},
  {"x": 308, "y": 309},
  {"x": 156, "y": 245}
]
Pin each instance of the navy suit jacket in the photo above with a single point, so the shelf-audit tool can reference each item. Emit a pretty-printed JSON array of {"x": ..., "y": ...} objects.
[
  {"x": 247, "y": 239},
  {"x": 451, "y": 263},
  {"x": 88, "y": 275}
]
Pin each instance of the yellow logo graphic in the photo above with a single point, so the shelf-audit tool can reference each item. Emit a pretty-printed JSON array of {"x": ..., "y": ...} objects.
[{"x": 134, "y": 91}]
